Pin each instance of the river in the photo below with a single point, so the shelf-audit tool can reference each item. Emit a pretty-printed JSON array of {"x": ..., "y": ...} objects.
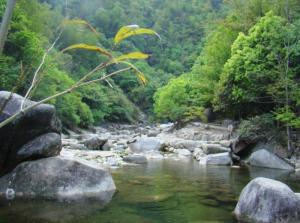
[{"x": 170, "y": 190}]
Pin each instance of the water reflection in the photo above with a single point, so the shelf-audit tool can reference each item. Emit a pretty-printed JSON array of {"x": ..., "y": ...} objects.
[{"x": 161, "y": 191}]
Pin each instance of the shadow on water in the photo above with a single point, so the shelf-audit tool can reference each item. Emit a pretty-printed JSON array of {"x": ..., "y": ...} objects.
[{"x": 162, "y": 191}]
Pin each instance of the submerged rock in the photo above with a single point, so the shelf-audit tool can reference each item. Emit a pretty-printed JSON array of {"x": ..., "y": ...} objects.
[
  {"x": 23, "y": 131},
  {"x": 268, "y": 201},
  {"x": 59, "y": 178},
  {"x": 137, "y": 159},
  {"x": 222, "y": 159},
  {"x": 264, "y": 158}
]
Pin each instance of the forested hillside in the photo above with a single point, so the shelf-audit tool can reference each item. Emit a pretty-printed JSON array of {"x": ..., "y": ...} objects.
[
  {"x": 35, "y": 26},
  {"x": 234, "y": 58},
  {"x": 249, "y": 66}
]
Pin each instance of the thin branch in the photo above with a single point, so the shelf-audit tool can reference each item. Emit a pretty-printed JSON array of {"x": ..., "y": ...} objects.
[{"x": 36, "y": 73}]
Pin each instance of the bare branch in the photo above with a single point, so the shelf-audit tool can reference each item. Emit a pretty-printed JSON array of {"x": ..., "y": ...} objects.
[{"x": 36, "y": 73}]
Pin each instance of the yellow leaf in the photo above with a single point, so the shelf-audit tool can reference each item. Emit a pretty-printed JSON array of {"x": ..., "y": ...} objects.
[
  {"x": 133, "y": 55},
  {"x": 138, "y": 73},
  {"x": 88, "y": 47},
  {"x": 80, "y": 22},
  {"x": 132, "y": 30}
]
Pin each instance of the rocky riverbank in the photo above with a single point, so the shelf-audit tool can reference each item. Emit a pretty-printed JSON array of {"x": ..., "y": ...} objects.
[{"x": 115, "y": 145}]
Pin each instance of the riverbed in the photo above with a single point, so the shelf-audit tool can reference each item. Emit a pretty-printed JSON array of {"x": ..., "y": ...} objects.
[{"x": 167, "y": 190}]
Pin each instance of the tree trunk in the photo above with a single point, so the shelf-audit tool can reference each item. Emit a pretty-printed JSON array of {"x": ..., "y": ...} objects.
[{"x": 5, "y": 22}]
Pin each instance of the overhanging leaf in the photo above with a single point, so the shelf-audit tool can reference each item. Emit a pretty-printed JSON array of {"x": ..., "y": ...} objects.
[
  {"x": 133, "y": 55},
  {"x": 137, "y": 72},
  {"x": 80, "y": 22},
  {"x": 88, "y": 47},
  {"x": 127, "y": 31}
]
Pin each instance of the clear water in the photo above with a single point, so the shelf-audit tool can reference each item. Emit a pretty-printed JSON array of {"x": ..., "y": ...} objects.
[{"x": 175, "y": 191}]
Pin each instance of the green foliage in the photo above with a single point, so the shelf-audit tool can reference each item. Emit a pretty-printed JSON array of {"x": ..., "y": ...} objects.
[
  {"x": 252, "y": 68},
  {"x": 257, "y": 127},
  {"x": 71, "y": 109},
  {"x": 178, "y": 100},
  {"x": 9, "y": 71},
  {"x": 287, "y": 116}
]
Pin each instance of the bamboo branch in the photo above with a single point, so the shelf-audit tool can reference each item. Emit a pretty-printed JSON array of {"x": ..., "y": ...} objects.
[{"x": 36, "y": 73}]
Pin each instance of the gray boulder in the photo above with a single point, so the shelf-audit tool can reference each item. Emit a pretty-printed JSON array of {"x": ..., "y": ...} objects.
[
  {"x": 94, "y": 143},
  {"x": 39, "y": 121},
  {"x": 58, "y": 178},
  {"x": 221, "y": 159},
  {"x": 264, "y": 158},
  {"x": 44, "y": 146},
  {"x": 214, "y": 148},
  {"x": 268, "y": 201},
  {"x": 146, "y": 145},
  {"x": 137, "y": 159}
]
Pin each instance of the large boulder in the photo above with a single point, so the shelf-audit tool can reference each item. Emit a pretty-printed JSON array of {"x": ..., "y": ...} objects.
[
  {"x": 146, "y": 145},
  {"x": 36, "y": 122},
  {"x": 268, "y": 201},
  {"x": 58, "y": 178},
  {"x": 220, "y": 159},
  {"x": 267, "y": 159}
]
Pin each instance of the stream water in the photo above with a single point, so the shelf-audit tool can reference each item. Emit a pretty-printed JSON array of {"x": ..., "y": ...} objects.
[{"x": 175, "y": 191}]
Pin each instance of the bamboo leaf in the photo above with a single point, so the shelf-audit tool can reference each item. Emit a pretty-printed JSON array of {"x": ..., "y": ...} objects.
[
  {"x": 137, "y": 72},
  {"x": 88, "y": 47},
  {"x": 133, "y": 55},
  {"x": 80, "y": 22},
  {"x": 127, "y": 31}
]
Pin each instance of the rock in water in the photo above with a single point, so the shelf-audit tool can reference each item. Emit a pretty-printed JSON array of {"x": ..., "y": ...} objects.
[
  {"x": 35, "y": 123},
  {"x": 220, "y": 159},
  {"x": 146, "y": 145},
  {"x": 59, "y": 178},
  {"x": 137, "y": 159},
  {"x": 268, "y": 201},
  {"x": 264, "y": 158}
]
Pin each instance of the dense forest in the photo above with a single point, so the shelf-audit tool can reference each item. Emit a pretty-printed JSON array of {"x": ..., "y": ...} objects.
[{"x": 237, "y": 59}]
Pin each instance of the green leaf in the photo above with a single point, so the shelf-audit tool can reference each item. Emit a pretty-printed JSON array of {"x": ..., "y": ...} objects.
[
  {"x": 80, "y": 22},
  {"x": 90, "y": 48},
  {"x": 127, "y": 31},
  {"x": 133, "y": 55}
]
